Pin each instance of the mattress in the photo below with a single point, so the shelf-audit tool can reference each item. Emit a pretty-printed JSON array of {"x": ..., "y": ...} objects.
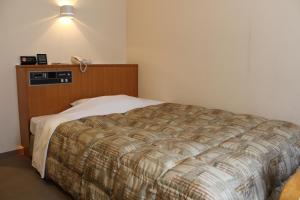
[{"x": 173, "y": 151}]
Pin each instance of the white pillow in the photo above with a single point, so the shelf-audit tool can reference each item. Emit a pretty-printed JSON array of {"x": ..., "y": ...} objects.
[{"x": 80, "y": 101}]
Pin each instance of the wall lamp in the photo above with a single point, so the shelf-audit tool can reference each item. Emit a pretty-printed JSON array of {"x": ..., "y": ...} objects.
[{"x": 67, "y": 11}]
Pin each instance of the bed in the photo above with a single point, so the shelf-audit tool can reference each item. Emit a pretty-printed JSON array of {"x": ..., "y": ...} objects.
[
  {"x": 131, "y": 148},
  {"x": 117, "y": 146}
]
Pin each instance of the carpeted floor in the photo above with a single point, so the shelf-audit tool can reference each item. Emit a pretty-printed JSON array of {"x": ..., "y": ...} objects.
[{"x": 19, "y": 181}]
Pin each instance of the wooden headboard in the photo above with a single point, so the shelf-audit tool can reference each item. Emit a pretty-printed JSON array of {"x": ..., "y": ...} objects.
[{"x": 99, "y": 80}]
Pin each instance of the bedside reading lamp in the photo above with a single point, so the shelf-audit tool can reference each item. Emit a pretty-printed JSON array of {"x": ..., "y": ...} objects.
[{"x": 67, "y": 11}]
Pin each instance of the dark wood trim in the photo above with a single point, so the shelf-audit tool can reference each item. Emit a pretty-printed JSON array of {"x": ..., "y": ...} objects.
[{"x": 15, "y": 152}]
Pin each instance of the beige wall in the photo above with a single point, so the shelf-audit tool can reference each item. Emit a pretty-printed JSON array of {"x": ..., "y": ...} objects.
[
  {"x": 28, "y": 27},
  {"x": 242, "y": 56},
  {"x": 236, "y": 55}
]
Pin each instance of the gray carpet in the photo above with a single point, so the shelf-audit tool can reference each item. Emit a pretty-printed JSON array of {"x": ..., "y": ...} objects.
[{"x": 19, "y": 181}]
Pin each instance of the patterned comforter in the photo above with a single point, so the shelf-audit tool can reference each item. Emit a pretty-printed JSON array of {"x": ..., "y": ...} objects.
[{"x": 172, "y": 151}]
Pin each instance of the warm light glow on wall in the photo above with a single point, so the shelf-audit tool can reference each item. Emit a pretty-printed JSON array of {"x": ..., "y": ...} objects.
[
  {"x": 65, "y": 20},
  {"x": 65, "y": 2}
]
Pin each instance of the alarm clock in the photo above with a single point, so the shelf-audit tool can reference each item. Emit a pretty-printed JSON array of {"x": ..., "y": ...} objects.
[{"x": 28, "y": 60}]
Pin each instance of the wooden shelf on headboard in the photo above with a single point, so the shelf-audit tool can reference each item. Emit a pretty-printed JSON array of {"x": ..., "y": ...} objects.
[{"x": 99, "y": 80}]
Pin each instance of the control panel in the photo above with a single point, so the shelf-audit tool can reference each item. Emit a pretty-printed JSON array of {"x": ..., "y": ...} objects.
[{"x": 52, "y": 77}]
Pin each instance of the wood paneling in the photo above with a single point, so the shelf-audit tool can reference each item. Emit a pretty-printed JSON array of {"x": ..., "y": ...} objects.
[{"x": 99, "y": 80}]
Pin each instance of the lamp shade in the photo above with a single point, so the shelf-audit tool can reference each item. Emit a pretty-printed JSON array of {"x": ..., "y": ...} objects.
[{"x": 67, "y": 11}]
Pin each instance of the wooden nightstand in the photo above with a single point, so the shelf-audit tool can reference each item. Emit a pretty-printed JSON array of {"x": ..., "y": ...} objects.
[{"x": 291, "y": 190}]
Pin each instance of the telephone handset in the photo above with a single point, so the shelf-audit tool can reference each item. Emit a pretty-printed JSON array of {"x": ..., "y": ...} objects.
[{"x": 83, "y": 63}]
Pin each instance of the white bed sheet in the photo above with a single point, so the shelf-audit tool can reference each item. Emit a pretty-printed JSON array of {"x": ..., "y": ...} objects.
[
  {"x": 45, "y": 126},
  {"x": 35, "y": 122}
]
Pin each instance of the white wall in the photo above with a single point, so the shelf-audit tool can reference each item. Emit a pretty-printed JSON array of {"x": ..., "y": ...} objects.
[
  {"x": 31, "y": 26},
  {"x": 242, "y": 56}
]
